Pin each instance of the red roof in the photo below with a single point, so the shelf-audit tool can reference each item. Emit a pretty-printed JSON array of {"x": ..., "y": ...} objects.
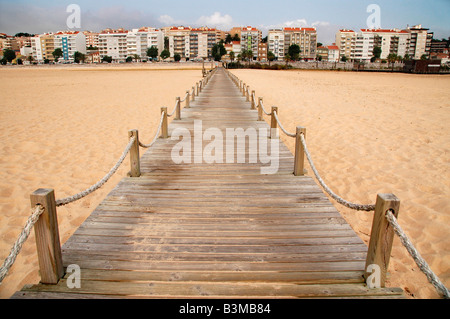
[
  {"x": 333, "y": 47},
  {"x": 299, "y": 29},
  {"x": 384, "y": 30},
  {"x": 345, "y": 30}
]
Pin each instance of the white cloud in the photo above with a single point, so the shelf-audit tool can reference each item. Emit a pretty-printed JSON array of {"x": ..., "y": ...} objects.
[{"x": 216, "y": 20}]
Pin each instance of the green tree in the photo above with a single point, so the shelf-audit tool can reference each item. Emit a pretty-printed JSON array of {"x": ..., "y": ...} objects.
[
  {"x": 236, "y": 37},
  {"x": 232, "y": 56},
  {"x": 287, "y": 58},
  {"x": 57, "y": 54},
  {"x": 376, "y": 52},
  {"x": 424, "y": 57},
  {"x": 218, "y": 50},
  {"x": 107, "y": 59},
  {"x": 177, "y": 57},
  {"x": 9, "y": 55},
  {"x": 79, "y": 57},
  {"x": 152, "y": 52},
  {"x": 270, "y": 56},
  {"x": 165, "y": 54},
  {"x": 3, "y": 61},
  {"x": 228, "y": 39},
  {"x": 344, "y": 58},
  {"x": 294, "y": 52},
  {"x": 129, "y": 59}
]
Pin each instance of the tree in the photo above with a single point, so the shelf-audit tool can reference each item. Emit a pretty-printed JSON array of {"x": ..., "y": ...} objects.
[
  {"x": 218, "y": 50},
  {"x": 129, "y": 59},
  {"x": 294, "y": 52},
  {"x": 270, "y": 56},
  {"x": 232, "y": 56},
  {"x": 57, "y": 54},
  {"x": 376, "y": 52},
  {"x": 19, "y": 62},
  {"x": 79, "y": 57},
  {"x": 9, "y": 55},
  {"x": 177, "y": 57},
  {"x": 344, "y": 58},
  {"x": 3, "y": 61},
  {"x": 319, "y": 44},
  {"x": 107, "y": 59},
  {"x": 228, "y": 39},
  {"x": 424, "y": 57},
  {"x": 287, "y": 58},
  {"x": 165, "y": 54},
  {"x": 152, "y": 52},
  {"x": 236, "y": 37}
]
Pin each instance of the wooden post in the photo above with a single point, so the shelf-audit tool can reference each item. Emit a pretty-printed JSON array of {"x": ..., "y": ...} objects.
[
  {"x": 134, "y": 154},
  {"x": 193, "y": 93},
  {"x": 247, "y": 98},
  {"x": 188, "y": 97},
  {"x": 198, "y": 89},
  {"x": 178, "y": 109},
  {"x": 260, "y": 111},
  {"x": 299, "y": 158},
  {"x": 164, "y": 128},
  {"x": 382, "y": 236},
  {"x": 243, "y": 89},
  {"x": 47, "y": 237},
  {"x": 253, "y": 99},
  {"x": 273, "y": 123}
]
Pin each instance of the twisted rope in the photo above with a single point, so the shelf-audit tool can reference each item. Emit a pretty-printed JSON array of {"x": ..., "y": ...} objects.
[
  {"x": 158, "y": 131},
  {"x": 100, "y": 183},
  {"x": 281, "y": 126},
  {"x": 174, "y": 110},
  {"x": 262, "y": 108},
  {"x": 185, "y": 97},
  {"x": 9, "y": 261},
  {"x": 340, "y": 200},
  {"x": 423, "y": 265}
]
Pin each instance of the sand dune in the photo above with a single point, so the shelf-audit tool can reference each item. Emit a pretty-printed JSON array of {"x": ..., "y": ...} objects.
[{"x": 376, "y": 133}]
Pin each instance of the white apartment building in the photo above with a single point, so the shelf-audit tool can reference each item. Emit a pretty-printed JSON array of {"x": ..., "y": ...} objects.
[
  {"x": 250, "y": 39},
  {"x": 70, "y": 42},
  {"x": 420, "y": 41},
  {"x": 42, "y": 46},
  {"x": 179, "y": 41},
  {"x": 390, "y": 41},
  {"x": 202, "y": 40},
  {"x": 137, "y": 43},
  {"x": 275, "y": 41},
  {"x": 113, "y": 43},
  {"x": 155, "y": 38},
  {"x": 333, "y": 53},
  {"x": 305, "y": 38}
]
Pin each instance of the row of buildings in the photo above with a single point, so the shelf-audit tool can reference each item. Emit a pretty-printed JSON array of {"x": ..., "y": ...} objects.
[
  {"x": 197, "y": 43},
  {"x": 414, "y": 42}
]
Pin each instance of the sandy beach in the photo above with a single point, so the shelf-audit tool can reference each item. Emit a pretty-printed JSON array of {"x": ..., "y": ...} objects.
[
  {"x": 376, "y": 133},
  {"x": 64, "y": 128}
]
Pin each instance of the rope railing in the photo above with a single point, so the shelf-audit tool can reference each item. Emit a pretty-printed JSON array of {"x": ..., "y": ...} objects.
[
  {"x": 378, "y": 239},
  {"x": 420, "y": 262},
  {"x": 9, "y": 261},
  {"x": 52, "y": 276}
]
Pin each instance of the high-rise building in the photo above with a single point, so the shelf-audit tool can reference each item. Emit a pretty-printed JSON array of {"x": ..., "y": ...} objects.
[
  {"x": 275, "y": 40},
  {"x": 179, "y": 41},
  {"x": 70, "y": 42},
  {"x": 43, "y": 45},
  {"x": 420, "y": 41},
  {"x": 113, "y": 43},
  {"x": 250, "y": 39},
  {"x": 137, "y": 43},
  {"x": 305, "y": 38},
  {"x": 91, "y": 39}
]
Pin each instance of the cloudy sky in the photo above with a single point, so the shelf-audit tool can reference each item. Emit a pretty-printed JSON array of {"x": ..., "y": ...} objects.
[{"x": 38, "y": 16}]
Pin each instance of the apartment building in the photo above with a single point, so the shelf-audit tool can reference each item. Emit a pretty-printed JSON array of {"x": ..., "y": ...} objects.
[
  {"x": 250, "y": 39},
  {"x": 43, "y": 45},
  {"x": 333, "y": 53},
  {"x": 70, "y": 42},
  {"x": 179, "y": 41},
  {"x": 305, "y": 38},
  {"x": 137, "y": 43},
  {"x": 262, "y": 52},
  {"x": 415, "y": 42},
  {"x": 113, "y": 43},
  {"x": 155, "y": 38},
  {"x": 202, "y": 40},
  {"x": 420, "y": 41},
  {"x": 91, "y": 38},
  {"x": 391, "y": 41},
  {"x": 275, "y": 40}
]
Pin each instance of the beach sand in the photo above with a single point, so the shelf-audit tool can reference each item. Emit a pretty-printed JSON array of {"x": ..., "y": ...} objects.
[
  {"x": 65, "y": 128},
  {"x": 371, "y": 133}
]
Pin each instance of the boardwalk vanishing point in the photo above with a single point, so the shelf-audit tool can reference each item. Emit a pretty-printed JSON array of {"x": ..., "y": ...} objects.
[{"x": 214, "y": 230}]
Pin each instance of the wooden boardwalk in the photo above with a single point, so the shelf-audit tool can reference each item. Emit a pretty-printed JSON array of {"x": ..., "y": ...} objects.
[{"x": 215, "y": 230}]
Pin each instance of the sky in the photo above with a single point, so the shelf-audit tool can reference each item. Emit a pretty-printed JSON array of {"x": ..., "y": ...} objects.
[{"x": 328, "y": 16}]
